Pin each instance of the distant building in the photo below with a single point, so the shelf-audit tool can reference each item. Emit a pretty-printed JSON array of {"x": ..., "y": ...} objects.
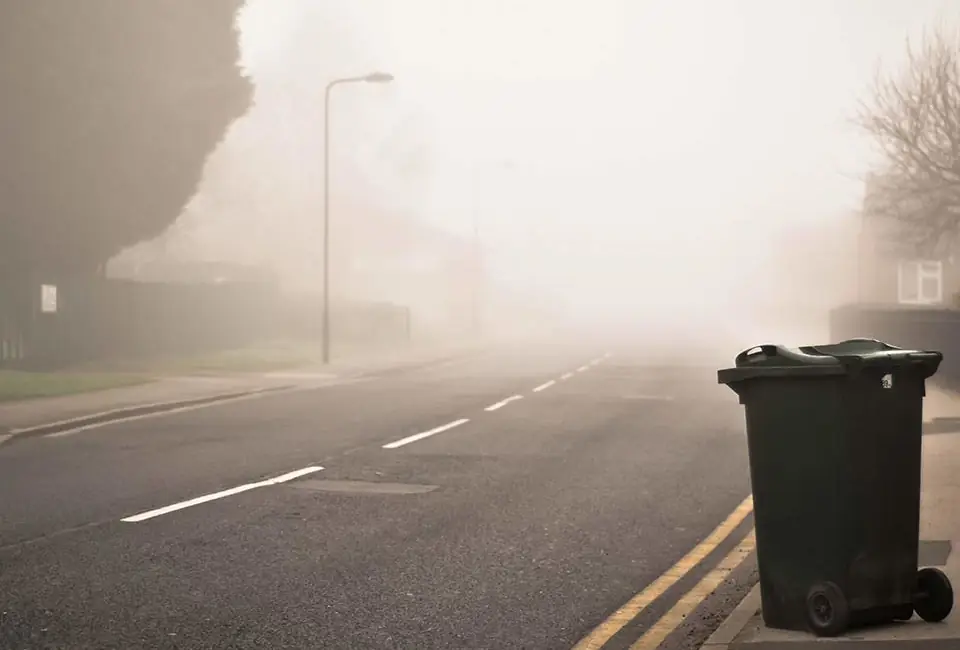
[
  {"x": 383, "y": 257},
  {"x": 890, "y": 274}
]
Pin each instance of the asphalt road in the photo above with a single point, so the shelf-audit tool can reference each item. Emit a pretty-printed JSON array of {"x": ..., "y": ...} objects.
[{"x": 525, "y": 527}]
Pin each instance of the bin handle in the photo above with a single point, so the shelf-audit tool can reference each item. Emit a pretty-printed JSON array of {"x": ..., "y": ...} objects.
[
  {"x": 925, "y": 356},
  {"x": 751, "y": 354},
  {"x": 926, "y": 360}
]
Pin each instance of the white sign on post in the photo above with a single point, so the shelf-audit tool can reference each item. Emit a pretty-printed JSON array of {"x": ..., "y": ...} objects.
[{"x": 48, "y": 299}]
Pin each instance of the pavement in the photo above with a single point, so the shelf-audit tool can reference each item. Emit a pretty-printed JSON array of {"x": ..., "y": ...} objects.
[
  {"x": 939, "y": 535},
  {"x": 512, "y": 499}
]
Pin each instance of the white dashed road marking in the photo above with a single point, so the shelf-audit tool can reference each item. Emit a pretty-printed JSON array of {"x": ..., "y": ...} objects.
[
  {"x": 219, "y": 495},
  {"x": 144, "y": 516},
  {"x": 425, "y": 434},
  {"x": 500, "y": 405}
]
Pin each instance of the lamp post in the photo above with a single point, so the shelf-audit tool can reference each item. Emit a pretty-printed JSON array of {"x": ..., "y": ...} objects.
[{"x": 374, "y": 77}]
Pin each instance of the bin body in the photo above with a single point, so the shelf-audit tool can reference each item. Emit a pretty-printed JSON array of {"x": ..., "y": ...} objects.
[{"x": 835, "y": 448}]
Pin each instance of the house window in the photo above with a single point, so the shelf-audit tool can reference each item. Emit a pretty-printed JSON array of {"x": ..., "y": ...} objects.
[{"x": 920, "y": 282}]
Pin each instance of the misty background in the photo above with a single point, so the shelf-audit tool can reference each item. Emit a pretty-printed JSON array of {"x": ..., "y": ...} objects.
[{"x": 681, "y": 171}]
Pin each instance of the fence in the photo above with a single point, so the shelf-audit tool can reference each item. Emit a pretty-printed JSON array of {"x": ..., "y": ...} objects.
[
  {"x": 924, "y": 328},
  {"x": 300, "y": 316},
  {"x": 100, "y": 319},
  {"x": 15, "y": 313}
]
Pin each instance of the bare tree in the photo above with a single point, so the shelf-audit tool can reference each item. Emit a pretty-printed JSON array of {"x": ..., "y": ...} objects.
[{"x": 914, "y": 118}]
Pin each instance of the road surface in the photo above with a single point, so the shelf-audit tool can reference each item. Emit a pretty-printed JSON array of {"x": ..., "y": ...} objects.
[{"x": 510, "y": 499}]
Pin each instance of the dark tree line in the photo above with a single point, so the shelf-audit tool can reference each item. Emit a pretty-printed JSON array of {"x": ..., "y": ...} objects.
[{"x": 108, "y": 111}]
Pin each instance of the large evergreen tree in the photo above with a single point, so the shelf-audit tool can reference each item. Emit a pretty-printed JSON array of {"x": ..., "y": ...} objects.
[{"x": 108, "y": 111}]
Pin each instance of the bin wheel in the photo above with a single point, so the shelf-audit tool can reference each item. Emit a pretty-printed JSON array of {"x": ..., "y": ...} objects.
[
  {"x": 933, "y": 599},
  {"x": 904, "y": 613},
  {"x": 828, "y": 612}
]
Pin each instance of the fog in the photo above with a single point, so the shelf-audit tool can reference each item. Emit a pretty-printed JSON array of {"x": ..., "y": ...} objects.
[{"x": 673, "y": 173}]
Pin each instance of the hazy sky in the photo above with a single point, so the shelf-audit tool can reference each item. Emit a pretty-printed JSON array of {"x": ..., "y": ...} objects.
[{"x": 657, "y": 147}]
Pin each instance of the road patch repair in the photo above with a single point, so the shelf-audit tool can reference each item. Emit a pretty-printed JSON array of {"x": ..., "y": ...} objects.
[
  {"x": 362, "y": 487},
  {"x": 744, "y": 628}
]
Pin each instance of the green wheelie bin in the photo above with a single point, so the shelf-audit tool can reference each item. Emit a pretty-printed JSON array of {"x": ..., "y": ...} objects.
[{"x": 834, "y": 435}]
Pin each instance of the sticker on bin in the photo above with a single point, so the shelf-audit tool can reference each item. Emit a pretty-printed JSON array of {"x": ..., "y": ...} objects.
[{"x": 887, "y": 381}]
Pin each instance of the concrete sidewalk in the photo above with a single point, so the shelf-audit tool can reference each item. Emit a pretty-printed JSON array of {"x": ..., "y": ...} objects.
[
  {"x": 940, "y": 546},
  {"x": 167, "y": 393}
]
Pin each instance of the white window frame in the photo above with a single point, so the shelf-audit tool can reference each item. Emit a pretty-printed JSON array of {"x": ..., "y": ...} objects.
[{"x": 922, "y": 270}]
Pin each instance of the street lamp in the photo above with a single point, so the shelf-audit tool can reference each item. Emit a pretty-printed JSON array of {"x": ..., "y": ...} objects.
[{"x": 373, "y": 77}]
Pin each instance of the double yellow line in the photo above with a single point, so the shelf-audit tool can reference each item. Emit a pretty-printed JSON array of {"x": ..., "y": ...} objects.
[{"x": 670, "y": 621}]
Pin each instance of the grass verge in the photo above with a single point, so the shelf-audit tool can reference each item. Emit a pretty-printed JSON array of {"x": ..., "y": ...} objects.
[
  {"x": 270, "y": 356},
  {"x": 17, "y": 385}
]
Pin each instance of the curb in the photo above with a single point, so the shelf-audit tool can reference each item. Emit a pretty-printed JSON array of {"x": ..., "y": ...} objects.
[
  {"x": 113, "y": 415},
  {"x": 731, "y": 628},
  {"x": 743, "y": 628}
]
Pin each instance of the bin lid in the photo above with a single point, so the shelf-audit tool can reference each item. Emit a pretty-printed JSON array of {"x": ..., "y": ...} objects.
[{"x": 764, "y": 361}]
